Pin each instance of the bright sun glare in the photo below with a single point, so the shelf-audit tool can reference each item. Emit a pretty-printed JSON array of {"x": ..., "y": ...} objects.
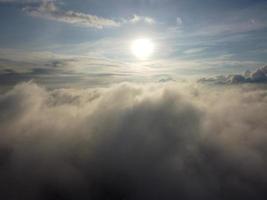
[{"x": 142, "y": 48}]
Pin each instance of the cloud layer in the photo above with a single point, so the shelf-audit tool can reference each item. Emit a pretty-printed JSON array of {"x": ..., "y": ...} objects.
[
  {"x": 258, "y": 76},
  {"x": 155, "y": 141}
]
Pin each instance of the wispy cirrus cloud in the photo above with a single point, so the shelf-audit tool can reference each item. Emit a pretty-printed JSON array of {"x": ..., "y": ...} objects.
[
  {"x": 250, "y": 19},
  {"x": 138, "y": 18},
  {"x": 179, "y": 21},
  {"x": 49, "y": 10},
  {"x": 233, "y": 27},
  {"x": 195, "y": 50},
  {"x": 22, "y": 2}
]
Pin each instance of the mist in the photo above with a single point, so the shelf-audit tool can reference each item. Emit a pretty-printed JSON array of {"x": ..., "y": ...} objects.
[{"x": 131, "y": 141}]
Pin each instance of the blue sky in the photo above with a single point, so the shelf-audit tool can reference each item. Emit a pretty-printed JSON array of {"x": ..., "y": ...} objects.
[{"x": 88, "y": 42}]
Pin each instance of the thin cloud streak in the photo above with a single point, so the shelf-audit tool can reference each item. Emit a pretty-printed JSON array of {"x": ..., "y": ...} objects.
[{"x": 49, "y": 10}]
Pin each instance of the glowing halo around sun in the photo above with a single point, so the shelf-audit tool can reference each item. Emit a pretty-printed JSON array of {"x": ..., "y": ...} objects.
[{"x": 142, "y": 48}]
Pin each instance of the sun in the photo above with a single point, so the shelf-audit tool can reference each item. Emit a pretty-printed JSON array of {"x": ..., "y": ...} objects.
[{"x": 142, "y": 48}]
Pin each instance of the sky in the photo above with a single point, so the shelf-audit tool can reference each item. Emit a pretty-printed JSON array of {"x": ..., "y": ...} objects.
[
  {"x": 87, "y": 42},
  {"x": 133, "y": 99}
]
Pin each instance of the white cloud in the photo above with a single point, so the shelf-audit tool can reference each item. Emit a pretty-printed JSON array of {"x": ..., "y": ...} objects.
[
  {"x": 258, "y": 76},
  {"x": 192, "y": 141},
  {"x": 22, "y": 1},
  {"x": 179, "y": 21},
  {"x": 138, "y": 18},
  {"x": 195, "y": 50},
  {"x": 49, "y": 10}
]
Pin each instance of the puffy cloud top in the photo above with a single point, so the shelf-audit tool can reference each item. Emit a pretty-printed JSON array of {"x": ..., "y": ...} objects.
[
  {"x": 155, "y": 141},
  {"x": 258, "y": 76}
]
